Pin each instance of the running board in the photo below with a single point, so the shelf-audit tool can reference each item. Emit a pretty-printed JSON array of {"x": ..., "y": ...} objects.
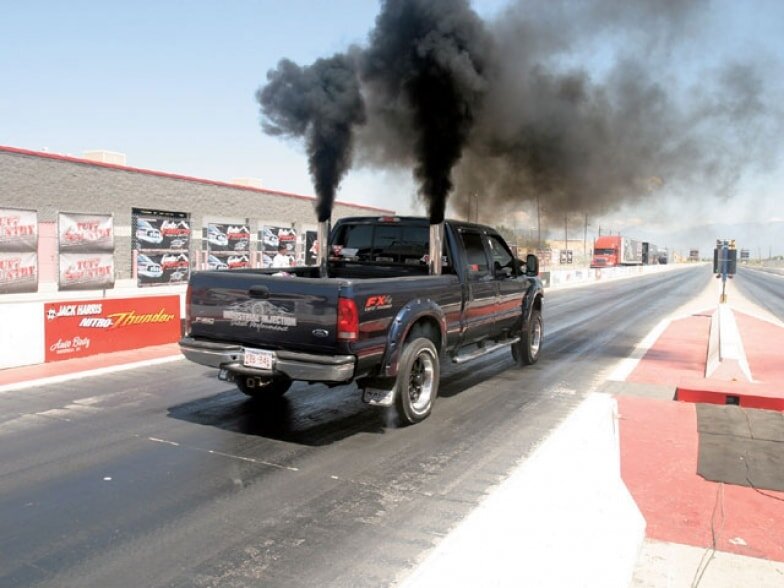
[{"x": 484, "y": 351}]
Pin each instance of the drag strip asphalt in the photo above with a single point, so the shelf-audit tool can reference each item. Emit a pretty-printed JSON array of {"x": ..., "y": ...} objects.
[
  {"x": 165, "y": 476},
  {"x": 765, "y": 289}
]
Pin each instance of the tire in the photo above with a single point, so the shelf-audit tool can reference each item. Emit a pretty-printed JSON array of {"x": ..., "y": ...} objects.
[
  {"x": 527, "y": 350},
  {"x": 263, "y": 389},
  {"x": 416, "y": 386}
]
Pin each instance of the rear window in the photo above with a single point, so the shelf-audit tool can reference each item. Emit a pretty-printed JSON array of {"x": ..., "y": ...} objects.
[{"x": 382, "y": 243}]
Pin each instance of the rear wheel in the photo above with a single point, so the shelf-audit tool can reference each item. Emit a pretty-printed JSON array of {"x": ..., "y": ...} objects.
[
  {"x": 526, "y": 351},
  {"x": 417, "y": 381},
  {"x": 257, "y": 387}
]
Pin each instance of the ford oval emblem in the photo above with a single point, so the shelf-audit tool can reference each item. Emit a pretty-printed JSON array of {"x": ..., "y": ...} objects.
[{"x": 320, "y": 333}]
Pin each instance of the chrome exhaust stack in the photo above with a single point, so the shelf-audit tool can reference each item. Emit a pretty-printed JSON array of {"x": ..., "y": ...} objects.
[
  {"x": 436, "y": 247},
  {"x": 323, "y": 251}
]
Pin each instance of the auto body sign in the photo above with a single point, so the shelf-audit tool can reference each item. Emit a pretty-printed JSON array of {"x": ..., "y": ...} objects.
[{"x": 87, "y": 327}]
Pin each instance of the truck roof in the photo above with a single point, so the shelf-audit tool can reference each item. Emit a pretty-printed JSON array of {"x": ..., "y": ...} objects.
[{"x": 412, "y": 219}]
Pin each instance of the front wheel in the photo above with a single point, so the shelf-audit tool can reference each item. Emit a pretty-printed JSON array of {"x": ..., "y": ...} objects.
[
  {"x": 526, "y": 351},
  {"x": 417, "y": 381},
  {"x": 263, "y": 388}
]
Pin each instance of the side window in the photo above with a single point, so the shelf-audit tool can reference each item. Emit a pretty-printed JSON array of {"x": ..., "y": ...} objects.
[
  {"x": 475, "y": 252},
  {"x": 502, "y": 257}
]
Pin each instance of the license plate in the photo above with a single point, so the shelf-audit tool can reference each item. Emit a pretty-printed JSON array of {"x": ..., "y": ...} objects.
[{"x": 258, "y": 358}]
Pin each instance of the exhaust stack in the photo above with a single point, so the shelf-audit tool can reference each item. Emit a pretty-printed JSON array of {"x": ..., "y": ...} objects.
[
  {"x": 323, "y": 251},
  {"x": 436, "y": 245}
]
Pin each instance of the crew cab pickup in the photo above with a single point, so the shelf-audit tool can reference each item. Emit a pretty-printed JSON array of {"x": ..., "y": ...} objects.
[{"x": 379, "y": 319}]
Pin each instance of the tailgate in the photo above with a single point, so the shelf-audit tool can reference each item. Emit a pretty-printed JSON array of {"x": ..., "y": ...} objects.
[{"x": 260, "y": 310}]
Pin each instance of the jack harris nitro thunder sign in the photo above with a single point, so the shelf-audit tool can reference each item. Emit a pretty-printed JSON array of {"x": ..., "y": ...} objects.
[{"x": 86, "y": 327}]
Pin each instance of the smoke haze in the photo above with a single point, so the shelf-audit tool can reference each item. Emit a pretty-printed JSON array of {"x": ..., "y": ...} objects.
[{"x": 583, "y": 106}]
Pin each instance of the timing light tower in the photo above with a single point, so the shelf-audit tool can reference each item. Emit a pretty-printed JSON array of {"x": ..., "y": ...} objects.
[{"x": 725, "y": 261}]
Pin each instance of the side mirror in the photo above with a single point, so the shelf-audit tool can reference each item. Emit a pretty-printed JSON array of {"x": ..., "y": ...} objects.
[{"x": 531, "y": 265}]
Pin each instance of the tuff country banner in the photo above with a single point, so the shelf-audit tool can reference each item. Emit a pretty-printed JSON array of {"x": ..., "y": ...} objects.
[
  {"x": 86, "y": 271},
  {"x": 18, "y": 272},
  {"x": 18, "y": 230},
  {"x": 18, "y": 251},
  {"x": 85, "y": 233}
]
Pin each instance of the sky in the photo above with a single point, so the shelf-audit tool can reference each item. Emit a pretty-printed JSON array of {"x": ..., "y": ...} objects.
[{"x": 172, "y": 85}]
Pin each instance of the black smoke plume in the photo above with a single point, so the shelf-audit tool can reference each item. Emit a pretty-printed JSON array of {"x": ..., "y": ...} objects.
[
  {"x": 424, "y": 71},
  {"x": 629, "y": 130},
  {"x": 582, "y": 106},
  {"x": 322, "y": 103}
]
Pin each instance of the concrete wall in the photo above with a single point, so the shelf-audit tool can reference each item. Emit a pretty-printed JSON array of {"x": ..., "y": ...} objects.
[{"x": 51, "y": 184}]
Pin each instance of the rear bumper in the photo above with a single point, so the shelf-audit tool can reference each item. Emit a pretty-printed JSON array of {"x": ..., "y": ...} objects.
[{"x": 297, "y": 366}]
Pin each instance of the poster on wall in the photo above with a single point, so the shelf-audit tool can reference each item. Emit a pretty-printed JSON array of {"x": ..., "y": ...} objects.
[
  {"x": 160, "y": 230},
  {"x": 18, "y": 251},
  {"x": 85, "y": 233},
  {"x": 18, "y": 230},
  {"x": 87, "y": 327},
  {"x": 85, "y": 242},
  {"x": 86, "y": 271},
  {"x": 170, "y": 267},
  {"x": 271, "y": 237},
  {"x": 227, "y": 238},
  {"x": 161, "y": 246},
  {"x": 18, "y": 272},
  {"x": 311, "y": 247}
]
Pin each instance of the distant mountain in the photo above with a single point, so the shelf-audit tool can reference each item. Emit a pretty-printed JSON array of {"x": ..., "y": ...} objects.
[{"x": 761, "y": 239}]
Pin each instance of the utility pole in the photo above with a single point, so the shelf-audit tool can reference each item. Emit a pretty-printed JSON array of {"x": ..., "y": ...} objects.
[
  {"x": 566, "y": 232},
  {"x": 585, "y": 238},
  {"x": 538, "y": 224}
]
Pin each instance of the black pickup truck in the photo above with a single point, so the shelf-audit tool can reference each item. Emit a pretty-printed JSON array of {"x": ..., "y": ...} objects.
[{"x": 379, "y": 319}]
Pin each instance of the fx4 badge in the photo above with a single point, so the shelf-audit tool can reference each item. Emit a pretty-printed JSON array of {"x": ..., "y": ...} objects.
[{"x": 378, "y": 302}]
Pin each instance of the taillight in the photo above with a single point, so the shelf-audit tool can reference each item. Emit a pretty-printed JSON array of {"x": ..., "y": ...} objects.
[{"x": 348, "y": 320}]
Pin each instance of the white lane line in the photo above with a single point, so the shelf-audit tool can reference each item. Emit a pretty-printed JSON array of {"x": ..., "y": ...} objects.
[
  {"x": 625, "y": 367},
  {"x": 88, "y": 374},
  {"x": 222, "y": 454}
]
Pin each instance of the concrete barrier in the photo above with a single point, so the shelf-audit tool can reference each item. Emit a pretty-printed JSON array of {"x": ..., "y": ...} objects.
[
  {"x": 22, "y": 316},
  {"x": 564, "y": 517},
  {"x": 21, "y": 334},
  {"x": 565, "y": 278},
  {"x": 28, "y": 349}
]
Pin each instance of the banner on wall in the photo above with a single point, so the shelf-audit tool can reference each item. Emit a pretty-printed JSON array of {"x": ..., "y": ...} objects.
[
  {"x": 271, "y": 237},
  {"x": 18, "y": 251},
  {"x": 86, "y": 271},
  {"x": 161, "y": 243},
  {"x": 160, "y": 230},
  {"x": 171, "y": 267},
  {"x": 85, "y": 233},
  {"x": 227, "y": 238},
  {"x": 87, "y": 327},
  {"x": 18, "y": 272},
  {"x": 18, "y": 230},
  {"x": 311, "y": 247}
]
